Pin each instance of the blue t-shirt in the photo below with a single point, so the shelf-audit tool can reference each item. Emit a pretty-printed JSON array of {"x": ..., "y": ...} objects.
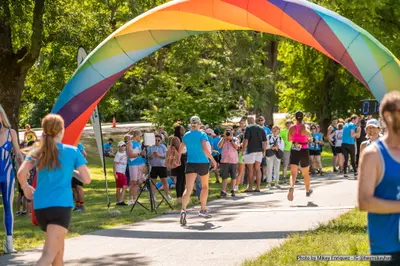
[
  {"x": 53, "y": 188},
  {"x": 215, "y": 146},
  {"x": 107, "y": 147},
  {"x": 193, "y": 141},
  {"x": 267, "y": 130},
  {"x": 137, "y": 148},
  {"x": 347, "y": 138},
  {"x": 80, "y": 147},
  {"x": 316, "y": 137}
]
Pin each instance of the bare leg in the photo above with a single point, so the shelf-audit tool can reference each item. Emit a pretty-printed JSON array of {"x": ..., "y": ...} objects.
[
  {"x": 241, "y": 170},
  {"x": 118, "y": 194},
  {"x": 250, "y": 178},
  {"x": 294, "y": 170},
  {"x": 122, "y": 198},
  {"x": 53, "y": 246},
  {"x": 204, "y": 191},
  {"x": 190, "y": 179},
  {"x": 258, "y": 174},
  {"x": 165, "y": 185},
  {"x": 233, "y": 183},
  {"x": 224, "y": 184}
]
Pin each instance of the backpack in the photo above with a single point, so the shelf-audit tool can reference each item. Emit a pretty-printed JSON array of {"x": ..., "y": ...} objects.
[{"x": 172, "y": 159}]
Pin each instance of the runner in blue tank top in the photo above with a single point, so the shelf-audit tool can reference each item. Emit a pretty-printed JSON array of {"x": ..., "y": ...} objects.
[
  {"x": 379, "y": 185},
  {"x": 9, "y": 143}
]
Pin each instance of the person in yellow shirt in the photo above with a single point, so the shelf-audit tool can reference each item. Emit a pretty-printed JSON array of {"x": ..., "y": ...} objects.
[{"x": 29, "y": 135}]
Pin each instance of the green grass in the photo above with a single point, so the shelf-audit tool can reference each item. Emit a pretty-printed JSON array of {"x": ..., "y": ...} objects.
[
  {"x": 96, "y": 217},
  {"x": 345, "y": 235}
]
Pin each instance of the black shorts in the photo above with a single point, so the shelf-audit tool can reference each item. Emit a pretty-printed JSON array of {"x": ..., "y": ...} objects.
[
  {"x": 315, "y": 153},
  {"x": 157, "y": 171},
  {"x": 301, "y": 157},
  {"x": 197, "y": 168},
  {"x": 75, "y": 182},
  {"x": 333, "y": 148},
  {"x": 228, "y": 170},
  {"x": 53, "y": 215},
  {"x": 338, "y": 150},
  {"x": 217, "y": 158}
]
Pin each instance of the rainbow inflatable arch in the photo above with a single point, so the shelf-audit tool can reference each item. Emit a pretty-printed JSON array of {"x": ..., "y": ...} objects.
[{"x": 328, "y": 32}]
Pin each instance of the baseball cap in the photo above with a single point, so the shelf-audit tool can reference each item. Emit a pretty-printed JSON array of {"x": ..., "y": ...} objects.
[
  {"x": 195, "y": 120},
  {"x": 373, "y": 123},
  {"x": 210, "y": 131},
  {"x": 121, "y": 143}
]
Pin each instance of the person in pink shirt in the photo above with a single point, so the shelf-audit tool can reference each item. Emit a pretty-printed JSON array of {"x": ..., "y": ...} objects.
[
  {"x": 299, "y": 154},
  {"x": 229, "y": 160}
]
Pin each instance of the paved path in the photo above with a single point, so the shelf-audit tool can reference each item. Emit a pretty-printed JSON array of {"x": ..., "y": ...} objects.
[{"x": 240, "y": 229}]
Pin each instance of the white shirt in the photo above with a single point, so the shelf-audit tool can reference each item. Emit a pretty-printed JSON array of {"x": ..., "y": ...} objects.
[
  {"x": 271, "y": 140},
  {"x": 339, "y": 138},
  {"x": 121, "y": 160}
]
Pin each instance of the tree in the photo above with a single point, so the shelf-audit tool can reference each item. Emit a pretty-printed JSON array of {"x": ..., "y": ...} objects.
[{"x": 17, "y": 54}]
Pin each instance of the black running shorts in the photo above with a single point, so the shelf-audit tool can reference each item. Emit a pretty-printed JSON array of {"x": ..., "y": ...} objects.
[
  {"x": 157, "y": 171},
  {"x": 197, "y": 168},
  {"x": 75, "y": 182},
  {"x": 301, "y": 157},
  {"x": 53, "y": 215}
]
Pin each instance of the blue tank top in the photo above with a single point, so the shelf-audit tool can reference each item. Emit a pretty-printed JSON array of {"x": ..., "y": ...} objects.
[
  {"x": 383, "y": 229},
  {"x": 6, "y": 163}
]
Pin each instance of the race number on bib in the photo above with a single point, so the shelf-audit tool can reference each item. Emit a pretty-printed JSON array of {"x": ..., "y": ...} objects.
[{"x": 296, "y": 146}]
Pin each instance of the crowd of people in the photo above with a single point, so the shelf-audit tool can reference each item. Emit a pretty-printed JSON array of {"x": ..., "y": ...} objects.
[{"x": 248, "y": 153}]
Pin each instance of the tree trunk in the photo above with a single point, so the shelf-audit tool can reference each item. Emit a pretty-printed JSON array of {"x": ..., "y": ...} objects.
[
  {"x": 15, "y": 66},
  {"x": 271, "y": 63}
]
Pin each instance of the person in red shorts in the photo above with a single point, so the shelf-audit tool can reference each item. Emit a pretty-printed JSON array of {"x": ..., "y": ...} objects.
[{"x": 121, "y": 181}]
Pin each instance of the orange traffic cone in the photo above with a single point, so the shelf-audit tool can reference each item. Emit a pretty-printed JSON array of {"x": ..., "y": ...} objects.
[{"x": 114, "y": 122}]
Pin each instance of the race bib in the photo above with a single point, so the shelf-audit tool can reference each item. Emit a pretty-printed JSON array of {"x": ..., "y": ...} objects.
[{"x": 296, "y": 146}]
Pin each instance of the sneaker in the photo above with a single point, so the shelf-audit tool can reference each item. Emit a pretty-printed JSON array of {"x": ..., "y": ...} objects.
[
  {"x": 223, "y": 194},
  {"x": 169, "y": 197},
  {"x": 278, "y": 186},
  {"x": 233, "y": 193},
  {"x": 309, "y": 193},
  {"x": 18, "y": 213},
  {"x": 75, "y": 209},
  {"x": 183, "y": 217},
  {"x": 290, "y": 195},
  {"x": 23, "y": 213},
  {"x": 236, "y": 188},
  {"x": 82, "y": 208},
  {"x": 204, "y": 214},
  {"x": 123, "y": 204},
  {"x": 9, "y": 246},
  {"x": 268, "y": 186},
  {"x": 131, "y": 202},
  {"x": 346, "y": 176},
  {"x": 118, "y": 204}
]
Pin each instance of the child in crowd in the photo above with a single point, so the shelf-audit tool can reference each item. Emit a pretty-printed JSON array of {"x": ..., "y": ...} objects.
[
  {"x": 120, "y": 165},
  {"x": 108, "y": 148}
]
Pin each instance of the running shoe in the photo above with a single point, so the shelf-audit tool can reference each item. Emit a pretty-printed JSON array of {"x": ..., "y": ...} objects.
[
  {"x": 223, "y": 194},
  {"x": 346, "y": 176},
  {"x": 290, "y": 195},
  {"x": 309, "y": 193},
  {"x": 183, "y": 217},
  {"x": 18, "y": 213},
  {"x": 268, "y": 186},
  {"x": 278, "y": 186},
  {"x": 75, "y": 209},
  {"x": 131, "y": 202},
  {"x": 123, "y": 204},
  {"x": 233, "y": 193},
  {"x": 169, "y": 197},
  {"x": 236, "y": 188},
  {"x": 23, "y": 213},
  {"x": 204, "y": 214},
  {"x": 257, "y": 190}
]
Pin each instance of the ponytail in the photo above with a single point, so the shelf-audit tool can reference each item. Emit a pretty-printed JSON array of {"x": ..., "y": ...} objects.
[{"x": 46, "y": 154}]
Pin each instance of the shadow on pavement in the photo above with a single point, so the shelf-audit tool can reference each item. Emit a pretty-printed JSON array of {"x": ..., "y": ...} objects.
[
  {"x": 195, "y": 235},
  {"x": 309, "y": 204},
  {"x": 126, "y": 259},
  {"x": 204, "y": 227}
]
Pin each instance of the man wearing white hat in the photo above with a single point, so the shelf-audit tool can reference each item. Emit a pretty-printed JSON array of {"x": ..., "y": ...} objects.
[{"x": 373, "y": 130}]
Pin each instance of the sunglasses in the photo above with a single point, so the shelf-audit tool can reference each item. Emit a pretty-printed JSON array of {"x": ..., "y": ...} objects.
[{"x": 158, "y": 140}]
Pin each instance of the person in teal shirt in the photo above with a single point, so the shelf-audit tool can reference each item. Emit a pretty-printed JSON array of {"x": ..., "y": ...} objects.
[
  {"x": 284, "y": 134},
  {"x": 315, "y": 148}
]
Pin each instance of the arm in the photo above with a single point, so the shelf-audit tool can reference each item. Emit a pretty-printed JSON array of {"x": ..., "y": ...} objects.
[
  {"x": 234, "y": 144},
  {"x": 18, "y": 155},
  {"x": 131, "y": 154},
  {"x": 281, "y": 144},
  {"x": 221, "y": 143},
  {"x": 244, "y": 145},
  {"x": 82, "y": 174},
  {"x": 264, "y": 148},
  {"x": 181, "y": 147},
  {"x": 114, "y": 169},
  {"x": 207, "y": 153},
  {"x": 23, "y": 174},
  {"x": 84, "y": 153},
  {"x": 362, "y": 147},
  {"x": 163, "y": 153},
  {"x": 291, "y": 133},
  {"x": 370, "y": 172}
]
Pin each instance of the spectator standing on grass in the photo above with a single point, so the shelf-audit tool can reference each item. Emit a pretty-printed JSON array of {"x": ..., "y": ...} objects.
[
  {"x": 121, "y": 181},
  {"x": 179, "y": 172},
  {"x": 108, "y": 148},
  {"x": 338, "y": 134},
  {"x": 275, "y": 146},
  {"x": 29, "y": 135},
  {"x": 284, "y": 134},
  {"x": 241, "y": 165},
  {"x": 216, "y": 155},
  {"x": 136, "y": 164},
  {"x": 363, "y": 137},
  {"x": 77, "y": 186},
  {"x": 261, "y": 123},
  {"x": 379, "y": 184},
  {"x": 350, "y": 133},
  {"x": 254, "y": 148},
  {"x": 332, "y": 142},
  {"x": 156, "y": 157},
  {"x": 229, "y": 160}
]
